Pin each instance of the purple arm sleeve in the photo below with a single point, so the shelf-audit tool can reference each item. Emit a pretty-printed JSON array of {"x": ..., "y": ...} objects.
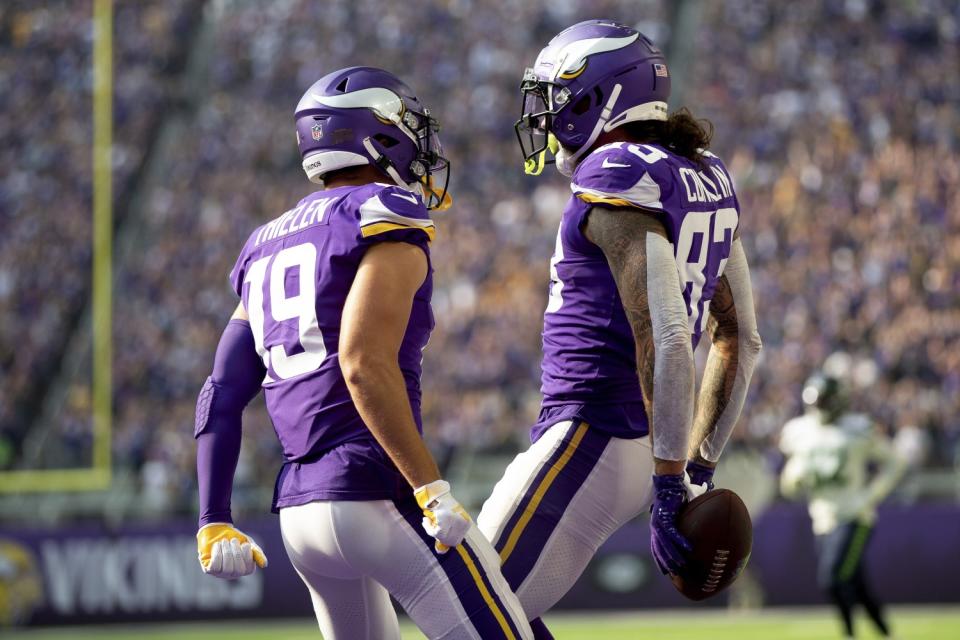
[{"x": 237, "y": 375}]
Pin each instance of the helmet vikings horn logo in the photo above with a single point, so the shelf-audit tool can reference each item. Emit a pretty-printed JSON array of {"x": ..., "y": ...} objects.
[{"x": 317, "y": 131}]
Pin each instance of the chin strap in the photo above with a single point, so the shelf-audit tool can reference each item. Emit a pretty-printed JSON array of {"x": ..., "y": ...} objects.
[
  {"x": 382, "y": 162},
  {"x": 534, "y": 166},
  {"x": 566, "y": 163}
]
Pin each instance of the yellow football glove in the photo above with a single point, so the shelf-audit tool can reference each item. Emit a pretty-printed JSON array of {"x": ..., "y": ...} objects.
[
  {"x": 443, "y": 517},
  {"x": 226, "y": 552}
]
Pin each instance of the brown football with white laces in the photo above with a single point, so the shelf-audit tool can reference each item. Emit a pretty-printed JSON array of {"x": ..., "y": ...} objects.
[{"x": 718, "y": 527}]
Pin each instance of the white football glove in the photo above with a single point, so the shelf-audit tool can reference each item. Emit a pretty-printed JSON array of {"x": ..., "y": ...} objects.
[
  {"x": 443, "y": 517},
  {"x": 228, "y": 553}
]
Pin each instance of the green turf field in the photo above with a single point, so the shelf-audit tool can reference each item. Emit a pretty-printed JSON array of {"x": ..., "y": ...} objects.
[{"x": 782, "y": 624}]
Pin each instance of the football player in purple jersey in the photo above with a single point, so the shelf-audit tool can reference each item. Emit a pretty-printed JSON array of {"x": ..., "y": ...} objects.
[
  {"x": 333, "y": 317},
  {"x": 647, "y": 259}
]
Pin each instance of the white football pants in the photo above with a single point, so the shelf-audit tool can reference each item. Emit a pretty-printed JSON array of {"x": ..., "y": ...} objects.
[
  {"x": 558, "y": 501},
  {"x": 353, "y": 555}
]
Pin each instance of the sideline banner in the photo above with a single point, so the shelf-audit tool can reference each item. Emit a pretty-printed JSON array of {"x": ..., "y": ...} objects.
[
  {"x": 137, "y": 573},
  {"x": 149, "y": 572}
]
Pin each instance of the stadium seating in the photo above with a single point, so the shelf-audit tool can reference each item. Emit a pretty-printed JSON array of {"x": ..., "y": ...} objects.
[
  {"x": 848, "y": 177},
  {"x": 45, "y": 191}
]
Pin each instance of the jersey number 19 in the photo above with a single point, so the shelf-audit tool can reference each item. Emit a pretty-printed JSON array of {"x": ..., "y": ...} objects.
[{"x": 302, "y": 307}]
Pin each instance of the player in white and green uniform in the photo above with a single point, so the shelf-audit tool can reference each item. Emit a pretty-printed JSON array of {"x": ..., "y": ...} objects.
[{"x": 830, "y": 454}]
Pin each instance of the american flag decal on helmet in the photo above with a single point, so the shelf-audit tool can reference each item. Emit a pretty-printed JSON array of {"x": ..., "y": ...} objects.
[{"x": 660, "y": 70}]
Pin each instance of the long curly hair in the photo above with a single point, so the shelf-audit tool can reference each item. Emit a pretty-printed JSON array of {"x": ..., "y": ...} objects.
[{"x": 681, "y": 132}]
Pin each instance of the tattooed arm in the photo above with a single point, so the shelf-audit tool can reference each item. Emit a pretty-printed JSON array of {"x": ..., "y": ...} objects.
[
  {"x": 733, "y": 355},
  {"x": 641, "y": 260}
]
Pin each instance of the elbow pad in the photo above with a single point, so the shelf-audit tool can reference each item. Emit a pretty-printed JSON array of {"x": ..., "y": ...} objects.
[{"x": 237, "y": 375}]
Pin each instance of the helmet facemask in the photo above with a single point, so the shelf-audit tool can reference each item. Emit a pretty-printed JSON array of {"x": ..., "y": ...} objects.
[
  {"x": 543, "y": 104},
  {"x": 542, "y": 101},
  {"x": 430, "y": 166},
  {"x": 429, "y": 169}
]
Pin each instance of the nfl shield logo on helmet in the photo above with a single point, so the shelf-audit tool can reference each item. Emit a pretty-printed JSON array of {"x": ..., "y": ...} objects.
[
  {"x": 660, "y": 70},
  {"x": 317, "y": 131}
]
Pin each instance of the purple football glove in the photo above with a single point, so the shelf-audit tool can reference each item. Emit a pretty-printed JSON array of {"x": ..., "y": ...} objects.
[
  {"x": 700, "y": 474},
  {"x": 669, "y": 548}
]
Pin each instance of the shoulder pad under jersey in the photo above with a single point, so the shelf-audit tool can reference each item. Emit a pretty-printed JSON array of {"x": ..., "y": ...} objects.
[
  {"x": 391, "y": 208},
  {"x": 622, "y": 174}
]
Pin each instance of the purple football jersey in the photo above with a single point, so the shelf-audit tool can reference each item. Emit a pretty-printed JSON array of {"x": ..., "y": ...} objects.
[
  {"x": 589, "y": 354},
  {"x": 293, "y": 276}
]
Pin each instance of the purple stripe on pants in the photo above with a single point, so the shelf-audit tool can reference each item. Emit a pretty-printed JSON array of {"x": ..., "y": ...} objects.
[
  {"x": 562, "y": 446},
  {"x": 493, "y": 592},
  {"x": 466, "y": 588},
  {"x": 554, "y": 502}
]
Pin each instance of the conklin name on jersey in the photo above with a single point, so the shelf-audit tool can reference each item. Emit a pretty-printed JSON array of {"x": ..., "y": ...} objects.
[
  {"x": 830, "y": 463},
  {"x": 293, "y": 276},
  {"x": 589, "y": 354}
]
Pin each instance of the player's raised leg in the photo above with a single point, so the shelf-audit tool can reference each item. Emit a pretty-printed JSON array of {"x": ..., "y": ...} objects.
[{"x": 558, "y": 502}]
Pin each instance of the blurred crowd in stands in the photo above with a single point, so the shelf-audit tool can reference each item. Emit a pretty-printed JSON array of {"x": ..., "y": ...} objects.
[
  {"x": 839, "y": 122},
  {"x": 837, "y": 119},
  {"x": 46, "y": 95}
]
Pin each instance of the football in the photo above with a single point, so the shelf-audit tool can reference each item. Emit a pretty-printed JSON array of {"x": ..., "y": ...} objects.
[{"x": 718, "y": 526}]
